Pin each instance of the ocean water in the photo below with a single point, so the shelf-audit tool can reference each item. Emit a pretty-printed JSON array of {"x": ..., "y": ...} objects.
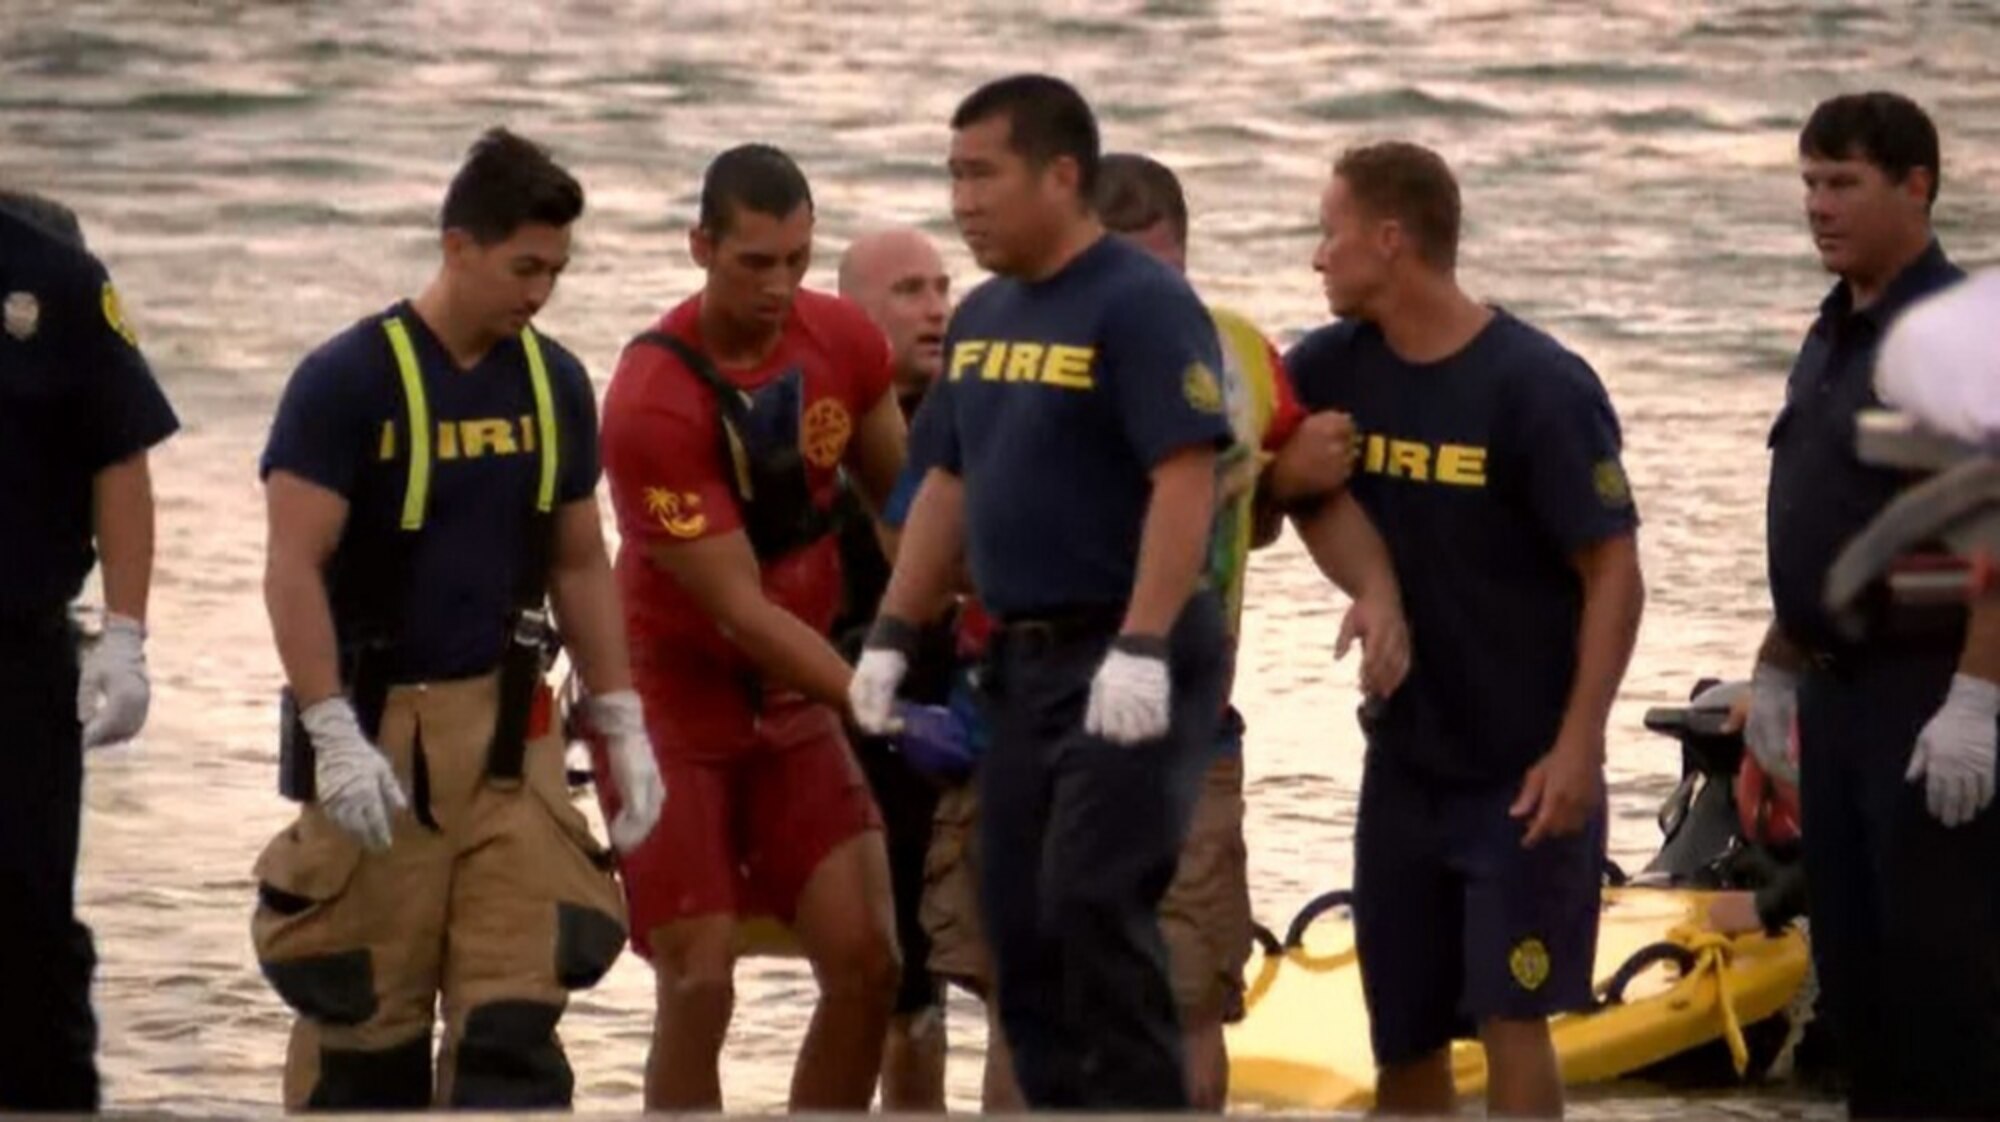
[{"x": 259, "y": 174}]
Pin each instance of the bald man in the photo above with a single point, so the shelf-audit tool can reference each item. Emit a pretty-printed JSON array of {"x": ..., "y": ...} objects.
[{"x": 898, "y": 278}]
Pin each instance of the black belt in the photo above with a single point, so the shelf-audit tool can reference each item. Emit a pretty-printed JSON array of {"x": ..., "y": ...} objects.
[
  {"x": 1032, "y": 632},
  {"x": 1850, "y": 659}
]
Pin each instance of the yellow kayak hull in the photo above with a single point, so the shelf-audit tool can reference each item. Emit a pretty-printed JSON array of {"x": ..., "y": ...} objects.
[{"x": 1304, "y": 1043}]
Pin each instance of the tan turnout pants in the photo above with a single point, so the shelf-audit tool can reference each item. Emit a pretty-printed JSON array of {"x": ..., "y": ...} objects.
[{"x": 493, "y": 899}]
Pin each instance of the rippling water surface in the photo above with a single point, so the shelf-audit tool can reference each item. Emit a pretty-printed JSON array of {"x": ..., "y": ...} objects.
[{"x": 259, "y": 174}]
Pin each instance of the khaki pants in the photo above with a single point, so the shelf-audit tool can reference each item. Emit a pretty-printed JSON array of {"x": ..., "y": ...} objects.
[
  {"x": 493, "y": 898},
  {"x": 1204, "y": 917}
]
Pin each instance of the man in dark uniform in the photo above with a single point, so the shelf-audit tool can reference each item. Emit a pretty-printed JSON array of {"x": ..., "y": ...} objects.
[
  {"x": 1075, "y": 439},
  {"x": 79, "y": 410},
  {"x": 897, "y": 277},
  {"x": 1896, "y": 732},
  {"x": 1490, "y": 465}
]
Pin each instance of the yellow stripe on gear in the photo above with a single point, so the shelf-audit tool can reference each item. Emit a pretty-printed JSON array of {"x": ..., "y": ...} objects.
[
  {"x": 1250, "y": 393},
  {"x": 417, "y": 489},
  {"x": 416, "y": 492},
  {"x": 545, "y": 418}
]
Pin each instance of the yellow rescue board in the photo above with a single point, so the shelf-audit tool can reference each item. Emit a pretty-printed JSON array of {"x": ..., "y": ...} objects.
[{"x": 1304, "y": 1042}]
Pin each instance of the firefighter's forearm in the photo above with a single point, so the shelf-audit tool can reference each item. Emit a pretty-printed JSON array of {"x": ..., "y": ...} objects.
[
  {"x": 585, "y": 598},
  {"x": 302, "y": 626}
]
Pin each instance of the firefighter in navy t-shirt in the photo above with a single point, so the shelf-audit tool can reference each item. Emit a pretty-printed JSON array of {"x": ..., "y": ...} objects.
[
  {"x": 430, "y": 475},
  {"x": 1075, "y": 437},
  {"x": 1490, "y": 464}
]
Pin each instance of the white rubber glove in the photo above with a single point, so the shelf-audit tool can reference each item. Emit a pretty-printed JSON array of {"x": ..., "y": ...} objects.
[
  {"x": 619, "y": 718},
  {"x": 112, "y": 693},
  {"x": 885, "y": 658},
  {"x": 1954, "y": 754},
  {"x": 353, "y": 782},
  {"x": 1774, "y": 705},
  {"x": 1129, "y": 697},
  {"x": 871, "y": 693}
]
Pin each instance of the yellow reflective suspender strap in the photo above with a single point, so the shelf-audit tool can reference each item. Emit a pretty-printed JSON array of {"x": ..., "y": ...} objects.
[
  {"x": 545, "y": 418},
  {"x": 416, "y": 493}
]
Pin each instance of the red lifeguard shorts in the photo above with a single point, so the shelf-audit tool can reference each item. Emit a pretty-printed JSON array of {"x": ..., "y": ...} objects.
[{"x": 742, "y": 832}]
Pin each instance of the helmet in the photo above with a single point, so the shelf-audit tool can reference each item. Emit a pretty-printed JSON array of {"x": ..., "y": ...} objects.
[{"x": 1767, "y": 808}]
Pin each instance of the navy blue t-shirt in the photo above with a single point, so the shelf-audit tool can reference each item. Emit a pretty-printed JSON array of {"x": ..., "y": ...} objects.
[
  {"x": 1058, "y": 399},
  {"x": 340, "y": 425},
  {"x": 1485, "y": 473},
  {"x": 76, "y": 396},
  {"x": 1821, "y": 495}
]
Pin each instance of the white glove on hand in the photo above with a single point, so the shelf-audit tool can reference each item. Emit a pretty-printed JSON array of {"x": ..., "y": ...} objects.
[
  {"x": 1954, "y": 754},
  {"x": 1129, "y": 697},
  {"x": 115, "y": 670},
  {"x": 620, "y": 720},
  {"x": 871, "y": 693},
  {"x": 1774, "y": 704},
  {"x": 353, "y": 782}
]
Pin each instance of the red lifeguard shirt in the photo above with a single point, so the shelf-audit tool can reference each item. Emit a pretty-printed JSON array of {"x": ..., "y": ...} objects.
[{"x": 670, "y": 484}]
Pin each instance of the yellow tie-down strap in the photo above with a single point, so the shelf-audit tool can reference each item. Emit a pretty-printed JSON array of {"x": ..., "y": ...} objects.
[{"x": 1713, "y": 953}]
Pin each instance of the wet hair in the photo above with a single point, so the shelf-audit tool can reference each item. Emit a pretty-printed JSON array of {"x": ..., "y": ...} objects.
[
  {"x": 1886, "y": 129},
  {"x": 1046, "y": 119},
  {"x": 54, "y": 218},
  {"x": 1135, "y": 192},
  {"x": 758, "y": 178},
  {"x": 508, "y": 182},
  {"x": 1413, "y": 185}
]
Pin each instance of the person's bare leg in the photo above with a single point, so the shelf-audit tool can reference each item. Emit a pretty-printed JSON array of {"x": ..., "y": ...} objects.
[
  {"x": 693, "y": 966},
  {"x": 1421, "y": 1087},
  {"x": 913, "y": 1062},
  {"x": 1523, "y": 1079},
  {"x": 998, "y": 1091},
  {"x": 1207, "y": 1061},
  {"x": 845, "y": 923}
]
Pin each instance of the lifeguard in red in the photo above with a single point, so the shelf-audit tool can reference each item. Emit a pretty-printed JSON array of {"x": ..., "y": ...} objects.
[{"x": 760, "y": 778}]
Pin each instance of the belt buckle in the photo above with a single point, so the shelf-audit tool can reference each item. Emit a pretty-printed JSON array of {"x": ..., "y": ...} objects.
[{"x": 1033, "y": 635}]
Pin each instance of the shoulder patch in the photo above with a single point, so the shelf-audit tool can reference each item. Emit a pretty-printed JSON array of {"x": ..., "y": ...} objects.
[
  {"x": 1202, "y": 388},
  {"x": 1613, "y": 489},
  {"x": 114, "y": 315}
]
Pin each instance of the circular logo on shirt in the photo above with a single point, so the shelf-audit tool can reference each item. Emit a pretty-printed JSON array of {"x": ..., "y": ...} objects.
[
  {"x": 1529, "y": 962},
  {"x": 1202, "y": 388},
  {"x": 678, "y": 513},
  {"x": 823, "y": 435},
  {"x": 1613, "y": 489},
  {"x": 114, "y": 315}
]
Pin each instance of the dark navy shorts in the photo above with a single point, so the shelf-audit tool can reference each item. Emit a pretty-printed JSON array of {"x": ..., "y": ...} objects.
[{"x": 1455, "y": 922}]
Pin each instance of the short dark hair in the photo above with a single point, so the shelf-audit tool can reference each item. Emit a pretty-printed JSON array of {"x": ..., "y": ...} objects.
[
  {"x": 757, "y": 177},
  {"x": 1134, "y": 192},
  {"x": 39, "y": 210},
  {"x": 507, "y": 182},
  {"x": 1046, "y": 119},
  {"x": 1886, "y": 129},
  {"x": 1413, "y": 185}
]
